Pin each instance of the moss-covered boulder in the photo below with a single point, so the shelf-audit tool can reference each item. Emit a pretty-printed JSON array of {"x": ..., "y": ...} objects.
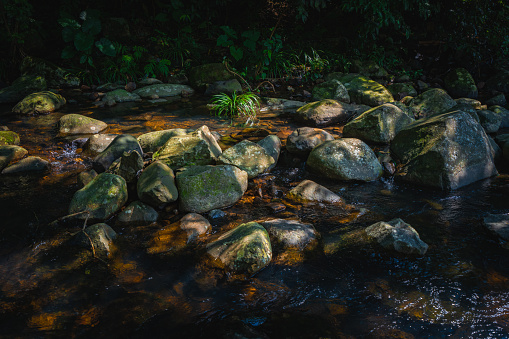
[
  {"x": 98, "y": 238},
  {"x": 201, "y": 75},
  {"x": 378, "y": 125},
  {"x": 310, "y": 191},
  {"x": 163, "y": 90},
  {"x": 402, "y": 89},
  {"x": 197, "y": 148},
  {"x": 119, "y": 145},
  {"x": 102, "y": 197},
  {"x": 9, "y": 138},
  {"x": 432, "y": 102},
  {"x": 120, "y": 95},
  {"x": 365, "y": 91},
  {"x": 72, "y": 124},
  {"x": 137, "y": 214},
  {"x": 28, "y": 165},
  {"x": 249, "y": 157},
  {"x": 153, "y": 141},
  {"x": 503, "y": 113},
  {"x": 447, "y": 151},
  {"x": 39, "y": 103},
  {"x": 460, "y": 84},
  {"x": 474, "y": 103},
  {"x": 244, "y": 250},
  {"x": 332, "y": 89},
  {"x": 22, "y": 87},
  {"x": 301, "y": 141},
  {"x": 156, "y": 185},
  {"x": 345, "y": 159},
  {"x": 327, "y": 112},
  {"x": 9, "y": 154},
  {"x": 204, "y": 188},
  {"x": 397, "y": 235}
]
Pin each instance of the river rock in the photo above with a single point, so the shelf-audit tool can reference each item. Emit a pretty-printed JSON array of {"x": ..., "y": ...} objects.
[
  {"x": 102, "y": 197},
  {"x": 71, "y": 124},
  {"x": 249, "y": 157},
  {"x": 137, "y": 214},
  {"x": 291, "y": 233},
  {"x": 368, "y": 68},
  {"x": 163, "y": 90},
  {"x": 201, "y": 75},
  {"x": 448, "y": 151},
  {"x": 9, "y": 154},
  {"x": 195, "y": 225},
  {"x": 304, "y": 139},
  {"x": 345, "y": 159},
  {"x": 378, "y": 125},
  {"x": 365, "y": 91},
  {"x": 9, "y": 138},
  {"x": 110, "y": 87},
  {"x": 204, "y": 188},
  {"x": 476, "y": 104},
  {"x": 467, "y": 109},
  {"x": 310, "y": 191},
  {"x": 276, "y": 104},
  {"x": 432, "y": 102},
  {"x": 498, "y": 224},
  {"x": 119, "y": 145},
  {"x": 489, "y": 120},
  {"x": 397, "y": 235},
  {"x": 98, "y": 143},
  {"x": 22, "y": 87},
  {"x": 272, "y": 146},
  {"x": 504, "y": 115},
  {"x": 149, "y": 81},
  {"x": 197, "y": 148},
  {"x": 153, "y": 141},
  {"x": 100, "y": 237},
  {"x": 128, "y": 166},
  {"x": 156, "y": 185},
  {"x": 28, "y": 165},
  {"x": 401, "y": 89},
  {"x": 327, "y": 112},
  {"x": 497, "y": 100},
  {"x": 120, "y": 95},
  {"x": 460, "y": 83},
  {"x": 332, "y": 89},
  {"x": 226, "y": 86},
  {"x": 85, "y": 177},
  {"x": 245, "y": 249},
  {"x": 39, "y": 103}
]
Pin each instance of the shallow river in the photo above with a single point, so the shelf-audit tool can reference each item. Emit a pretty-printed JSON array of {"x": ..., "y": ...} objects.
[{"x": 156, "y": 286}]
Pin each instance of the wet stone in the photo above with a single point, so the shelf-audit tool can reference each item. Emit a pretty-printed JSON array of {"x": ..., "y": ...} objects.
[
  {"x": 398, "y": 236},
  {"x": 137, "y": 214},
  {"x": 195, "y": 225},
  {"x": 309, "y": 191},
  {"x": 122, "y": 143},
  {"x": 28, "y": 165},
  {"x": 98, "y": 143},
  {"x": 128, "y": 167},
  {"x": 498, "y": 224},
  {"x": 304, "y": 139},
  {"x": 99, "y": 238},
  {"x": 156, "y": 185},
  {"x": 291, "y": 233},
  {"x": 9, "y": 154}
]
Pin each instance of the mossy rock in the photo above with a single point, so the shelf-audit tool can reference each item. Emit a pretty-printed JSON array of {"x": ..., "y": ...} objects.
[
  {"x": 28, "y": 165},
  {"x": 369, "y": 68},
  {"x": 137, "y": 214},
  {"x": 163, "y": 90},
  {"x": 71, "y": 124},
  {"x": 332, "y": 89},
  {"x": 460, "y": 84},
  {"x": 489, "y": 120},
  {"x": 153, "y": 141},
  {"x": 119, "y": 145},
  {"x": 365, "y": 91},
  {"x": 39, "y": 103},
  {"x": 9, "y": 138},
  {"x": 120, "y": 95},
  {"x": 201, "y": 75},
  {"x": 432, "y": 102},
  {"x": 10, "y": 153},
  {"x": 249, "y": 157},
  {"x": 327, "y": 112},
  {"x": 402, "y": 89},
  {"x": 22, "y": 87},
  {"x": 156, "y": 185},
  {"x": 397, "y": 235}
]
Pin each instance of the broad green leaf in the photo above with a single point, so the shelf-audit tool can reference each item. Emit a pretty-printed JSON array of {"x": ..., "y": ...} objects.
[
  {"x": 250, "y": 44},
  {"x": 83, "y": 59},
  {"x": 68, "y": 34},
  {"x": 69, "y": 22},
  {"x": 83, "y": 41},
  {"x": 251, "y": 35},
  {"x": 106, "y": 47},
  {"x": 68, "y": 52},
  {"x": 91, "y": 26},
  {"x": 229, "y": 31},
  {"x": 223, "y": 41},
  {"x": 237, "y": 53}
]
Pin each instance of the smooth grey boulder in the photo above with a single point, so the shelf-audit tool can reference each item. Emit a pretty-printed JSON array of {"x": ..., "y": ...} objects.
[
  {"x": 301, "y": 141},
  {"x": 498, "y": 224},
  {"x": 204, "y": 188},
  {"x": 98, "y": 143},
  {"x": 291, "y": 234},
  {"x": 137, "y": 213},
  {"x": 119, "y": 145},
  {"x": 459, "y": 83},
  {"x": 310, "y": 191},
  {"x": 378, "y": 125},
  {"x": 327, "y": 112},
  {"x": 249, "y": 157},
  {"x": 272, "y": 146},
  {"x": 101, "y": 198},
  {"x": 244, "y": 250},
  {"x": 99, "y": 238},
  {"x": 71, "y": 124},
  {"x": 432, "y": 102},
  {"x": 194, "y": 225},
  {"x": 332, "y": 89},
  {"x": 163, "y": 90},
  {"x": 489, "y": 120},
  {"x": 153, "y": 141},
  {"x": 128, "y": 166},
  {"x": 9, "y": 154},
  {"x": 397, "y": 235},
  {"x": 447, "y": 151},
  {"x": 345, "y": 159},
  {"x": 156, "y": 185},
  {"x": 28, "y": 165}
]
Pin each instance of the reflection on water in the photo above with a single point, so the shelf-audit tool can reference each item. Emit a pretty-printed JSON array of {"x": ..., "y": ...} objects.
[{"x": 155, "y": 285}]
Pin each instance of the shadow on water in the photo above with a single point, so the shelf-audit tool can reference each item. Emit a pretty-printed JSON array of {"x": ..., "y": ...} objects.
[{"x": 344, "y": 288}]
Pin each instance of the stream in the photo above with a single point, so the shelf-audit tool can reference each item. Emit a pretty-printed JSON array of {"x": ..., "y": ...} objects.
[{"x": 155, "y": 285}]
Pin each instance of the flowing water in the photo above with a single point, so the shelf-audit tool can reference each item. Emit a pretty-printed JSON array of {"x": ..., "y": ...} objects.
[{"x": 155, "y": 285}]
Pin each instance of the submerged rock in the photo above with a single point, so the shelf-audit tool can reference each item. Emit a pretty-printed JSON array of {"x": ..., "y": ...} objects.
[
  {"x": 345, "y": 159},
  {"x": 119, "y": 145},
  {"x": 204, "y": 188},
  {"x": 28, "y": 165},
  {"x": 156, "y": 185},
  {"x": 137, "y": 214},
  {"x": 292, "y": 233},
  {"x": 153, "y": 141},
  {"x": 304, "y": 139},
  {"x": 195, "y": 225},
  {"x": 163, "y": 90},
  {"x": 460, "y": 84},
  {"x": 447, "y": 151},
  {"x": 245, "y": 249},
  {"x": 71, "y": 124},
  {"x": 327, "y": 112},
  {"x": 9, "y": 154},
  {"x": 397, "y": 235},
  {"x": 310, "y": 191},
  {"x": 9, "y": 138},
  {"x": 99, "y": 238},
  {"x": 432, "y": 102},
  {"x": 39, "y": 103},
  {"x": 249, "y": 157}
]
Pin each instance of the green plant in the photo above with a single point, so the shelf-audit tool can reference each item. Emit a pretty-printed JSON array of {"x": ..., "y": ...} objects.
[
  {"x": 178, "y": 49},
  {"x": 310, "y": 66},
  {"x": 245, "y": 105}
]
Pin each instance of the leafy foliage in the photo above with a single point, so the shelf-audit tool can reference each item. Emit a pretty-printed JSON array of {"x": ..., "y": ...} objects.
[{"x": 245, "y": 105}]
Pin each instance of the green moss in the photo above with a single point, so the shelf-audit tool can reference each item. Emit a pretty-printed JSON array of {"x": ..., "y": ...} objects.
[{"x": 9, "y": 138}]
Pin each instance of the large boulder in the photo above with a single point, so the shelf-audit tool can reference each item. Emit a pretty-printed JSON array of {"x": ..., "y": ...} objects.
[
  {"x": 448, "y": 151},
  {"x": 71, "y": 124},
  {"x": 201, "y": 75},
  {"x": 378, "y": 125},
  {"x": 304, "y": 139},
  {"x": 332, "y": 89},
  {"x": 398, "y": 236},
  {"x": 156, "y": 185},
  {"x": 9, "y": 154},
  {"x": 432, "y": 102},
  {"x": 291, "y": 233},
  {"x": 28, "y": 165},
  {"x": 102, "y": 197},
  {"x": 197, "y": 148},
  {"x": 119, "y": 145},
  {"x": 489, "y": 120},
  {"x": 345, "y": 159},
  {"x": 327, "y": 112},
  {"x": 163, "y": 90},
  {"x": 310, "y": 191},
  {"x": 204, "y": 188},
  {"x": 137, "y": 214},
  {"x": 460, "y": 84},
  {"x": 153, "y": 141},
  {"x": 365, "y": 91},
  {"x": 244, "y": 250},
  {"x": 39, "y": 103},
  {"x": 9, "y": 138},
  {"x": 249, "y": 157},
  {"x": 120, "y": 95},
  {"x": 21, "y": 87}
]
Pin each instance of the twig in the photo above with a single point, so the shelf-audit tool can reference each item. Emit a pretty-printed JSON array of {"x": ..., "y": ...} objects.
[
  {"x": 234, "y": 73},
  {"x": 266, "y": 81}
]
